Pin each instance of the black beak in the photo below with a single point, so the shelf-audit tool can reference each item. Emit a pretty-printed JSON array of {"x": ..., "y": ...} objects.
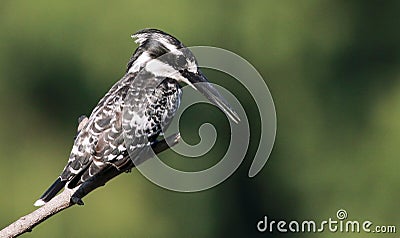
[{"x": 201, "y": 83}]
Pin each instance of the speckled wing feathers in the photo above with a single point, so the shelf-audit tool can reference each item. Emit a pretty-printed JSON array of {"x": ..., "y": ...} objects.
[{"x": 131, "y": 115}]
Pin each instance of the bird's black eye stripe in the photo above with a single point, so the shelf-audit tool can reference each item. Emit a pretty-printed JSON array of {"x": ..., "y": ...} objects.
[{"x": 185, "y": 73}]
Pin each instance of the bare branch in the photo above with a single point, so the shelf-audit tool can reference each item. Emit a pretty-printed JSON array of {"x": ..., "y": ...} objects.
[{"x": 70, "y": 197}]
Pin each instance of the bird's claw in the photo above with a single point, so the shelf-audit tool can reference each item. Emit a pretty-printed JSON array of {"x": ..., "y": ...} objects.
[{"x": 76, "y": 200}]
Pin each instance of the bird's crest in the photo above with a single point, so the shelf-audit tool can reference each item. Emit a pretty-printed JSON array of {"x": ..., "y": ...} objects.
[{"x": 146, "y": 35}]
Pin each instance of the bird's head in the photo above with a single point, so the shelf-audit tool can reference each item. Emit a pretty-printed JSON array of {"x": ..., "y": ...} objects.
[{"x": 165, "y": 56}]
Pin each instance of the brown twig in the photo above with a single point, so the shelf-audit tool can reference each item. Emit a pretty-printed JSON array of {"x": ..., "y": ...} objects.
[{"x": 64, "y": 199}]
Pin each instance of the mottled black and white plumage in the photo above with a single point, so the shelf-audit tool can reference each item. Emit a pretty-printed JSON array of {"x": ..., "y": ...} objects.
[{"x": 136, "y": 109}]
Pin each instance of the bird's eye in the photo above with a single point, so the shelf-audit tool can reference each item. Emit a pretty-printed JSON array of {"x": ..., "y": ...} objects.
[{"x": 181, "y": 60}]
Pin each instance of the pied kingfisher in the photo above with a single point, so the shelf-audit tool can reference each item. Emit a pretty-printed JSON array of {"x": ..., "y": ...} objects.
[{"x": 145, "y": 99}]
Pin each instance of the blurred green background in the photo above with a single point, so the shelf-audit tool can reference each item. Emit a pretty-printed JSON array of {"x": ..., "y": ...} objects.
[{"x": 333, "y": 68}]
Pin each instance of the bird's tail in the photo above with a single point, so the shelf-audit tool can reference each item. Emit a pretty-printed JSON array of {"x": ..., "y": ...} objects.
[{"x": 50, "y": 192}]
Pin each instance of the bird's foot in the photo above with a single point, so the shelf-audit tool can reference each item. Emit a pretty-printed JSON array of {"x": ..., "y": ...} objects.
[
  {"x": 128, "y": 170},
  {"x": 77, "y": 200}
]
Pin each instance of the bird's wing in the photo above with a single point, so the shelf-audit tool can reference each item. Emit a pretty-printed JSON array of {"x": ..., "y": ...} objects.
[
  {"x": 124, "y": 124},
  {"x": 100, "y": 133}
]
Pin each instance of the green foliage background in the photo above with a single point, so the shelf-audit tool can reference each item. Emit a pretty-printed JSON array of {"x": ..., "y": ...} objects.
[{"x": 331, "y": 66}]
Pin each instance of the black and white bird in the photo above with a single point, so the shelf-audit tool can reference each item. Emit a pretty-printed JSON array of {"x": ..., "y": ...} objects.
[{"x": 136, "y": 109}]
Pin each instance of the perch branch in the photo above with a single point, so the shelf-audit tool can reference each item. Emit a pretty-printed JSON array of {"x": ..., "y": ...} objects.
[{"x": 70, "y": 197}]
